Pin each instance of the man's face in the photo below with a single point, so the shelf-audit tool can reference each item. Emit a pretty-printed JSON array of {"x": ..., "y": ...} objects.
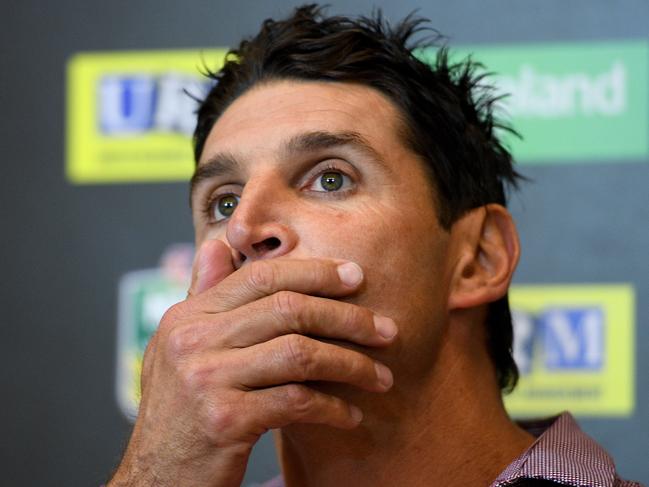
[{"x": 319, "y": 169}]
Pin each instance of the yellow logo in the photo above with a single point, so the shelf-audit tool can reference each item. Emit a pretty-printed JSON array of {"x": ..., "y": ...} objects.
[
  {"x": 574, "y": 345},
  {"x": 130, "y": 115}
]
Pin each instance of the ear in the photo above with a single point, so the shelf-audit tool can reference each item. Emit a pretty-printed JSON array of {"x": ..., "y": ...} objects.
[{"x": 486, "y": 250}]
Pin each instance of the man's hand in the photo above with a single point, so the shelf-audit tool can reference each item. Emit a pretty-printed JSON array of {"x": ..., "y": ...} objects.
[{"x": 230, "y": 362}]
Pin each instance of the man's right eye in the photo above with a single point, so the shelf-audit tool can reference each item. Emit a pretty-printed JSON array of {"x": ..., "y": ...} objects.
[{"x": 223, "y": 207}]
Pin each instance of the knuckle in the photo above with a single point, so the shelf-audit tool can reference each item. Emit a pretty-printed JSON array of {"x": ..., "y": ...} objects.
[
  {"x": 181, "y": 341},
  {"x": 193, "y": 378},
  {"x": 170, "y": 317},
  {"x": 262, "y": 276},
  {"x": 361, "y": 364},
  {"x": 225, "y": 427},
  {"x": 356, "y": 367},
  {"x": 352, "y": 316},
  {"x": 220, "y": 419},
  {"x": 301, "y": 398},
  {"x": 287, "y": 305},
  {"x": 298, "y": 353}
]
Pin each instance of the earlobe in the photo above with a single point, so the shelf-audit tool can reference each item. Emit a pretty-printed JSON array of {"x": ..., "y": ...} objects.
[{"x": 487, "y": 250}]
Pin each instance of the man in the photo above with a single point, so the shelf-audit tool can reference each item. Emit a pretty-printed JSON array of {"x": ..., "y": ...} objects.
[{"x": 350, "y": 288}]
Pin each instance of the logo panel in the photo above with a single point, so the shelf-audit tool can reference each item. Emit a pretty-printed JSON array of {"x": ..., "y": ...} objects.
[
  {"x": 574, "y": 345},
  {"x": 144, "y": 296},
  {"x": 129, "y": 118},
  {"x": 571, "y": 102},
  {"x": 131, "y": 115}
]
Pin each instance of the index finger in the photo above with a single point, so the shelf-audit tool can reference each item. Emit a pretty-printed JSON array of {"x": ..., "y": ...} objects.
[{"x": 316, "y": 277}]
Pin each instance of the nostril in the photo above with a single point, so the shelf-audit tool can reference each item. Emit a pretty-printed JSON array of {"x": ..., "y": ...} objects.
[{"x": 267, "y": 245}]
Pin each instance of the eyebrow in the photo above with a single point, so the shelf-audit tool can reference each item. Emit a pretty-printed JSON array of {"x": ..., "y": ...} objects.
[
  {"x": 226, "y": 163},
  {"x": 321, "y": 140},
  {"x": 219, "y": 165}
]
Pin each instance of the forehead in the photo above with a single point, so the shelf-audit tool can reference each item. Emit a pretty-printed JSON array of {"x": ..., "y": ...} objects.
[{"x": 271, "y": 113}]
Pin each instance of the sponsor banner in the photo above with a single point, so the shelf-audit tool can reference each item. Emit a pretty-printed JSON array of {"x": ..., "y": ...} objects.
[
  {"x": 143, "y": 298},
  {"x": 130, "y": 115},
  {"x": 574, "y": 346},
  {"x": 129, "y": 118},
  {"x": 571, "y": 102}
]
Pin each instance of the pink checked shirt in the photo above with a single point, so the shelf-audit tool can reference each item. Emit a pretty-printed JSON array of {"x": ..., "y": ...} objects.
[{"x": 562, "y": 454}]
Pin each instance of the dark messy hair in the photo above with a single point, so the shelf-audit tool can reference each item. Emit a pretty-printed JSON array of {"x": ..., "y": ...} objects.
[{"x": 446, "y": 109}]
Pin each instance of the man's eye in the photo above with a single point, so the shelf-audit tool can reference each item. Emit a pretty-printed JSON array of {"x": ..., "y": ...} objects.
[
  {"x": 331, "y": 181},
  {"x": 224, "y": 206}
]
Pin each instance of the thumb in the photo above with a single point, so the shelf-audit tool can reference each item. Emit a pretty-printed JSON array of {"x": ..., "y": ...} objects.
[{"x": 212, "y": 264}]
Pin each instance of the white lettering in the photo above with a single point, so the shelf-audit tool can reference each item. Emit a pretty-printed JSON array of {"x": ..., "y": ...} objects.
[
  {"x": 175, "y": 109},
  {"x": 534, "y": 94},
  {"x": 578, "y": 344}
]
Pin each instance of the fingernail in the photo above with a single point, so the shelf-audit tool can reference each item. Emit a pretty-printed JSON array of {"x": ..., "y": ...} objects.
[
  {"x": 355, "y": 413},
  {"x": 350, "y": 274},
  {"x": 384, "y": 375},
  {"x": 385, "y": 326}
]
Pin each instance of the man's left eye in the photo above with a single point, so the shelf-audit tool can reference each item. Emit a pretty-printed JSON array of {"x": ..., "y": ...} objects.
[{"x": 331, "y": 181}]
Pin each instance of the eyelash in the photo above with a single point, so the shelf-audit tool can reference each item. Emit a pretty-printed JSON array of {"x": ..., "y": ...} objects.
[{"x": 209, "y": 205}]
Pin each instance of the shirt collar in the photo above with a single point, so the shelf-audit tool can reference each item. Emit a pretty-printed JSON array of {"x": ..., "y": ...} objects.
[{"x": 562, "y": 453}]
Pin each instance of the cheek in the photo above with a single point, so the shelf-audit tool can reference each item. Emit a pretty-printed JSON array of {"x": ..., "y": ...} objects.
[
  {"x": 210, "y": 233},
  {"x": 406, "y": 267},
  {"x": 400, "y": 253},
  {"x": 359, "y": 234}
]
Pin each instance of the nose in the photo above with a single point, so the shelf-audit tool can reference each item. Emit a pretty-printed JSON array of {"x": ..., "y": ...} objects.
[{"x": 259, "y": 227}]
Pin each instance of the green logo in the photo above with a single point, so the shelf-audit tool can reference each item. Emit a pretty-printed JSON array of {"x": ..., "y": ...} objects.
[
  {"x": 144, "y": 296},
  {"x": 572, "y": 102}
]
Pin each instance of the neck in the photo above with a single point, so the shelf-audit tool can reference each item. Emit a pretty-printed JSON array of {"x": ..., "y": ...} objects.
[{"x": 450, "y": 429}]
